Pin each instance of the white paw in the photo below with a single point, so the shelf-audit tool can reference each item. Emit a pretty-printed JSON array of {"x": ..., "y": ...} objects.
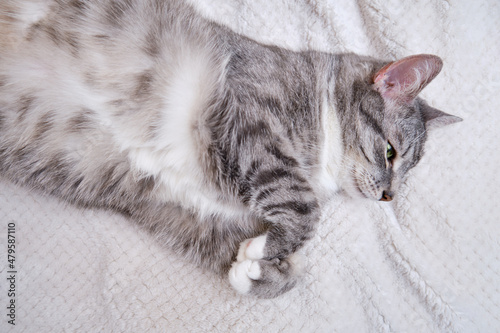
[
  {"x": 246, "y": 268},
  {"x": 242, "y": 273},
  {"x": 252, "y": 248}
]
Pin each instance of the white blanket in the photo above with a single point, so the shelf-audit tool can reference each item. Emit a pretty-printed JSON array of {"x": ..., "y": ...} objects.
[{"x": 427, "y": 262}]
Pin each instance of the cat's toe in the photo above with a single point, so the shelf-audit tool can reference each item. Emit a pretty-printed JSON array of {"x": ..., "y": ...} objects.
[
  {"x": 252, "y": 248},
  {"x": 242, "y": 274},
  {"x": 242, "y": 250},
  {"x": 255, "y": 249}
]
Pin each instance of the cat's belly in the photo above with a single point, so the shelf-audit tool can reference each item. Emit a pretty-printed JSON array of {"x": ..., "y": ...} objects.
[
  {"x": 181, "y": 180},
  {"x": 172, "y": 153}
]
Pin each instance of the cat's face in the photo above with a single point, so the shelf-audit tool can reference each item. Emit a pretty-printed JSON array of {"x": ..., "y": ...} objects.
[
  {"x": 387, "y": 141},
  {"x": 385, "y": 126}
]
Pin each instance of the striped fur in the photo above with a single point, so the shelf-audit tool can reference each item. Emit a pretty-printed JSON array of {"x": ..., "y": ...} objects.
[{"x": 203, "y": 136}]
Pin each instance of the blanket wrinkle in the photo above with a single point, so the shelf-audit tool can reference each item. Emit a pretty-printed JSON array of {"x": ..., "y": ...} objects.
[
  {"x": 443, "y": 314},
  {"x": 429, "y": 261},
  {"x": 378, "y": 28}
]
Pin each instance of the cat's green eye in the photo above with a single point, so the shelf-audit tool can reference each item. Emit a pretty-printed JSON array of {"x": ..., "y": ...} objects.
[{"x": 390, "y": 153}]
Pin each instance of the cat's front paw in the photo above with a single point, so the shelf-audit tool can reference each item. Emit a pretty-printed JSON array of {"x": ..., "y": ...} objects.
[
  {"x": 246, "y": 268},
  {"x": 251, "y": 274}
]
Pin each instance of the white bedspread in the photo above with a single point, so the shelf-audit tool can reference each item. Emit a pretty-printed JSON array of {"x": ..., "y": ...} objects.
[{"x": 427, "y": 262}]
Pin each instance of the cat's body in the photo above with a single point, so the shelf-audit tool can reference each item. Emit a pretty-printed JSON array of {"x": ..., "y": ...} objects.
[{"x": 205, "y": 137}]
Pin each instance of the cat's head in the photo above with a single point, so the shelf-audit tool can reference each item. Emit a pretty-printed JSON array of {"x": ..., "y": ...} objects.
[{"x": 385, "y": 123}]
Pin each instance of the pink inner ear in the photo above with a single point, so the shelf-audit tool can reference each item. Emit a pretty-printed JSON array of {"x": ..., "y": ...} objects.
[{"x": 403, "y": 80}]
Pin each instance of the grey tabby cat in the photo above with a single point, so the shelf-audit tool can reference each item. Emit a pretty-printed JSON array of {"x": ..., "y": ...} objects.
[{"x": 224, "y": 148}]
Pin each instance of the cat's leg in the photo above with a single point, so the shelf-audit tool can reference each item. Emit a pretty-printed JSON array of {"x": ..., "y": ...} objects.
[
  {"x": 208, "y": 241},
  {"x": 268, "y": 265}
]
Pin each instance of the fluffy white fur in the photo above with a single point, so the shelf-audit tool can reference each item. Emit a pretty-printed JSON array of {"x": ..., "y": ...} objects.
[{"x": 246, "y": 268}]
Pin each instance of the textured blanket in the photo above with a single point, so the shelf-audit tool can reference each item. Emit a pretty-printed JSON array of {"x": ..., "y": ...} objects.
[{"x": 427, "y": 262}]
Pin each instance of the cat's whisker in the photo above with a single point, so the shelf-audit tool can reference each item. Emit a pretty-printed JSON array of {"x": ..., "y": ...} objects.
[
  {"x": 418, "y": 137},
  {"x": 360, "y": 167}
]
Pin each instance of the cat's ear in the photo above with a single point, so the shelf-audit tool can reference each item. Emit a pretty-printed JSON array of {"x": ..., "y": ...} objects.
[
  {"x": 402, "y": 80},
  {"x": 435, "y": 118}
]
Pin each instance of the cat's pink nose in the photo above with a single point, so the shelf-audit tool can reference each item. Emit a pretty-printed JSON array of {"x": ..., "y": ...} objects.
[{"x": 386, "y": 196}]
